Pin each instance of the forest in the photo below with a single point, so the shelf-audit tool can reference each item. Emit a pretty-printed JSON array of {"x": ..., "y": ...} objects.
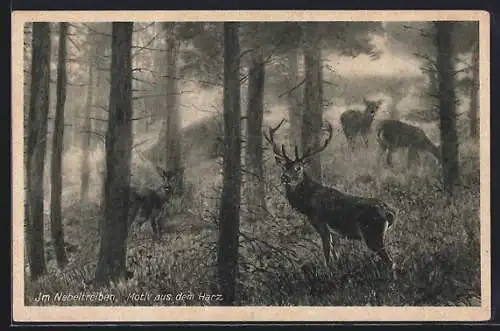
[{"x": 252, "y": 163}]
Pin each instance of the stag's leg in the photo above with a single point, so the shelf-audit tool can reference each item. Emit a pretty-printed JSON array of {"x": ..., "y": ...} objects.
[
  {"x": 326, "y": 241},
  {"x": 132, "y": 213},
  {"x": 365, "y": 139},
  {"x": 350, "y": 140},
  {"x": 155, "y": 225},
  {"x": 381, "y": 154},
  {"x": 389, "y": 156},
  {"x": 374, "y": 236},
  {"x": 412, "y": 156}
]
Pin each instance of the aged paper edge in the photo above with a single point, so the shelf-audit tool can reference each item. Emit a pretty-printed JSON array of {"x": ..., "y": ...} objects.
[{"x": 22, "y": 313}]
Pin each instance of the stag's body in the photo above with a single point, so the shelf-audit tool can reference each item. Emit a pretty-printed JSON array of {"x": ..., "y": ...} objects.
[
  {"x": 352, "y": 217},
  {"x": 358, "y": 123},
  {"x": 393, "y": 134},
  {"x": 328, "y": 209},
  {"x": 148, "y": 204}
]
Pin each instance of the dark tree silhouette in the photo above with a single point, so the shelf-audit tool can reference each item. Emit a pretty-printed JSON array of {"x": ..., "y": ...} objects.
[
  {"x": 111, "y": 264},
  {"x": 227, "y": 257},
  {"x": 172, "y": 115},
  {"x": 255, "y": 192},
  {"x": 474, "y": 90},
  {"x": 447, "y": 104},
  {"x": 56, "y": 226},
  {"x": 313, "y": 111},
  {"x": 37, "y": 142},
  {"x": 87, "y": 124},
  {"x": 293, "y": 99}
]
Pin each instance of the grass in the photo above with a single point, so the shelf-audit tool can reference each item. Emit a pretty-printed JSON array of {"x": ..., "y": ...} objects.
[{"x": 435, "y": 242}]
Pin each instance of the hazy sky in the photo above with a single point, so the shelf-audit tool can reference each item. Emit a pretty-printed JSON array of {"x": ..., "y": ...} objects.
[{"x": 389, "y": 64}]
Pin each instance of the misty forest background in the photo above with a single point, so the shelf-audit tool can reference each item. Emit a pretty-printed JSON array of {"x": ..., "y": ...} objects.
[{"x": 104, "y": 102}]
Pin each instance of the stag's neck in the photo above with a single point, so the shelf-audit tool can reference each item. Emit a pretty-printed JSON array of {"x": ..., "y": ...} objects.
[
  {"x": 366, "y": 123},
  {"x": 299, "y": 195}
]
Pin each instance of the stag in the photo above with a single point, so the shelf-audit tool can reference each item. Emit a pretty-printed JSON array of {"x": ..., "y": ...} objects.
[
  {"x": 393, "y": 134},
  {"x": 148, "y": 203},
  {"x": 328, "y": 209},
  {"x": 355, "y": 122}
]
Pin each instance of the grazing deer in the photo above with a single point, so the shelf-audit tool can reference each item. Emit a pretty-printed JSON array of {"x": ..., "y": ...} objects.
[
  {"x": 148, "y": 203},
  {"x": 393, "y": 134},
  {"x": 355, "y": 122},
  {"x": 328, "y": 209}
]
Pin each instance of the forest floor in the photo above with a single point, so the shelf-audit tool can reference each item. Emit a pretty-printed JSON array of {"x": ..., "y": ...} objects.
[{"x": 435, "y": 243}]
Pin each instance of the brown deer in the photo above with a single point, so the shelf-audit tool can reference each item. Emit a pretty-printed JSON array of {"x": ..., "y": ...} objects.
[
  {"x": 148, "y": 204},
  {"x": 355, "y": 122},
  {"x": 393, "y": 134},
  {"x": 328, "y": 209}
]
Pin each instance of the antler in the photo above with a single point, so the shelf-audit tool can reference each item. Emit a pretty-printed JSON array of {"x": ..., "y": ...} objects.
[
  {"x": 270, "y": 138},
  {"x": 311, "y": 151}
]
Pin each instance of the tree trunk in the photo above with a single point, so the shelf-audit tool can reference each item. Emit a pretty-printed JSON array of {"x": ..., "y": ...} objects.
[
  {"x": 312, "y": 116},
  {"x": 172, "y": 116},
  {"x": 447, "y": 114},
  {"x": 474, "y": 100},
  {"x": 294, "y": 107},
  {"x": 101, "y": 81},
  {"x": 37, "y": 142},
  {"x": 227, "y": 257},
  {"x": 255, "y": 194},
  {"x": 155, "y": 104},
  {"x": 56, "y": 226},
  {"x": 112, "y": 251},
  {"x": 433, "y": 83},
  {"x": 87, "y": 130}
]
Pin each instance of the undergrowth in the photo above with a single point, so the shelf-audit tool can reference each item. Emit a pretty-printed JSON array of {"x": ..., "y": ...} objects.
[{"x": 434, "y": 242}]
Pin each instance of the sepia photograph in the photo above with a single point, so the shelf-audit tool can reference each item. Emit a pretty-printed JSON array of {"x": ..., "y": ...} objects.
[{"x": 251, "y": 166}]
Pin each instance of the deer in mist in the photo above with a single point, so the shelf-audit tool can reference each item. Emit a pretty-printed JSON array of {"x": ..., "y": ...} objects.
[
  {"x": 148, "y": 203},
  {"x": 328, "y": 209},
  {"x": 355, "y": 122},
  {"x": 394, "y": 134}
]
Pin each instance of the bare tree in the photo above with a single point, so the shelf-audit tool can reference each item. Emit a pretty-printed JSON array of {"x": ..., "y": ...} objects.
[
  {"x": 172, "y": 115},
  {"x": 112, "y": 263},
  {"x": 447, "y": 104},
  {"x": 87, "y": 124},
  {"x": 255, "y": 192},
  {"x": 227, "y": 257},
  {"x": 37, "y": 142},
  {"x": 56, "y": 226},
  {"x": 312, "y": 115},
  {"x": 295, "y": 111},
  {"x": 474, "y": 90}
]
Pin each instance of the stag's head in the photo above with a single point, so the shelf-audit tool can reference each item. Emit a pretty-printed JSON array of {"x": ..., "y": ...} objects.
[
  {"x": 292, "y": 169},
  {"x": 372, "y": 107},
  {"x": 169, "y": 180}
]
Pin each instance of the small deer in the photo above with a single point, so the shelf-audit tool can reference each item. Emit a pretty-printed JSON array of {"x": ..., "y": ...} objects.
[
  {"x": 355, "y": 122},
  {"x": 328, "y": 209},
  {"x": 393, "y": 134},
  {"x": 148, "y": 203}
]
